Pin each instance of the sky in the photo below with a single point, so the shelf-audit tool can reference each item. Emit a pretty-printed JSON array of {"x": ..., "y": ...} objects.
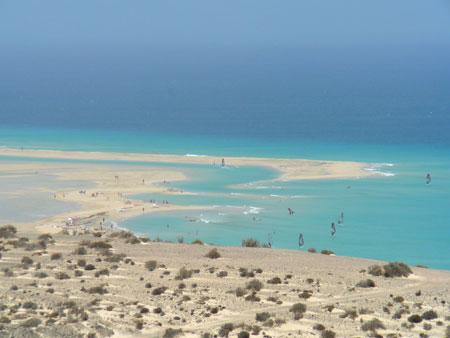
[
  {"x": 332, "y": 66},
  {"x": 114, "y": 23}
]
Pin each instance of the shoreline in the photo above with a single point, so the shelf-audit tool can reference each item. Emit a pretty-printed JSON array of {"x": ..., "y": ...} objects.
[
  {"x": 136, "y": 287},
  {"x": 289, "y": 169},
  {"x": 112, "y": 195}
]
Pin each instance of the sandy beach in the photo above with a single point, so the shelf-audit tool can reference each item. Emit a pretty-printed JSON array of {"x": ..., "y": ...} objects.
[
  {"x": 290, "y": 169},
  {"x": 87, "y": 280}
]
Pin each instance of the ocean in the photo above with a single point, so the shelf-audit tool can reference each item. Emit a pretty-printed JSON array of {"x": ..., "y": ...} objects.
[{"x": 384, "y": 106}]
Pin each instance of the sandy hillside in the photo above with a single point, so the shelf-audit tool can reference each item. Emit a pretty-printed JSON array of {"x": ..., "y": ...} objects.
[{"x": 75, "y": 284}]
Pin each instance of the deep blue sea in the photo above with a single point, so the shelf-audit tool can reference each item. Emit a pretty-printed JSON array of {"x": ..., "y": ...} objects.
[{"x": 386, "y": 106}]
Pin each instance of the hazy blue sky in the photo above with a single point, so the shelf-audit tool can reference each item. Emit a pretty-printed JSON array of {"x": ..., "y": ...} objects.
[{"x": 222, "y": 23}]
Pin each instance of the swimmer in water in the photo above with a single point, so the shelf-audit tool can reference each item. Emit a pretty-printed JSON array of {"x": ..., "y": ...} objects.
[{"x": 428, "y": 178}]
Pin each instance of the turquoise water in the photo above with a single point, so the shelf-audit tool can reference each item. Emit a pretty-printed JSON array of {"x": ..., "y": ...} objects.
[
  {"x": 390, "y": 217},
  {"x": 394, "y": 216},
  {"x": 27, "y": 196}
]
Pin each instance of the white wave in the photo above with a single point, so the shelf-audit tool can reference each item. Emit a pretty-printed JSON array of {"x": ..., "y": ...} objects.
[
  {"x": 375, "y": 169},
  {"x": 195, "y": 155},
  {"x": 297, "y": 196},
  {"x": 275, "y": 195},
  {"x": 252, "y": 211},
  {"x": 379, "y": 172}
]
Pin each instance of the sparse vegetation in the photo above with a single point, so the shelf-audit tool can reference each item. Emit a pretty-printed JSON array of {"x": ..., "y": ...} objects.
[
  {"x": 8, "y": 231},
  {"x": 198, "y": 242},
  {"x": 55, "y": 256},
  {"x": 222, "y": 274},
  {"x": 171, "y": 333},
  {"x": 81, "y": 250},
  {"x": 414, "y": 319},
  {"x": 151, "y": 265},
  {"x": 396, "y": 269},
  {"x": 240, "y": 292},
  {"x": 62, "y": 275},
  {"x": 41, "y": 274},
  {"x": 243, "y": 334},
  {"x": 213, "y": 254},
  {"x": 103, "y": 272},
  {"x": 298, "y": 308},
  {"x": 99, "y": 245},
  {"x": 183, "y": 273},
  {"x": 26, "y": 261},
  {"x": 250, "y": 243},
  {"x": 225, "y": 329},
  {"x": 31, "y": 322},
  {"x": 101, "y": 290},
  {"x": 318, "y": 327},
  {"x": 366, "y": 283},
  {"x": 328, "y": 334},
  {"x": 274, "y": 280},
  {"x": 373, "y": 325},
  {"x": 159, "y": 291},
  {"x": 429, "y": 315},
  {"x": 390, "y": 270},
  {"x": 254, "y": 285},
  {"x": 262, "y": 316}
]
